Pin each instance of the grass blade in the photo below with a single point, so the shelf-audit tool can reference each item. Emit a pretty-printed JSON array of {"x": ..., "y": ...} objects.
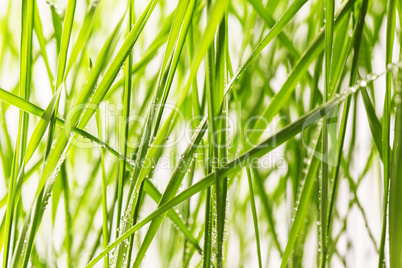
[
  {"x": 84, "y": 35},
  {"x": 172, "y": 188},
  {"x": 391, "y": 21},
  {"x": 395, "y": 215},
  {"x": 41, "y": 126},
  {"x": 27, "y": 21},
  {"x": 324, "y": 184},
  {"x": 105, "y": 232}
]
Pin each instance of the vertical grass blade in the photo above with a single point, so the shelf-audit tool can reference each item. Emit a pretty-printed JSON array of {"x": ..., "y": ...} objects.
[
  {"x": 395, "y": 202},
  {"x": 105, "y": 231},
  {"x": 324, "y": 186},
  {"x": 27, "y": 24},
  {"x": 386, "y": 121}
]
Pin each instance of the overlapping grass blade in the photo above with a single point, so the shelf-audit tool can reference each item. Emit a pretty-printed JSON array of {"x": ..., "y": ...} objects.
[
  {"x": 294, "y": 58},
  {"x": 27, "y": 22},
  {"x": 352, "y": 79}
]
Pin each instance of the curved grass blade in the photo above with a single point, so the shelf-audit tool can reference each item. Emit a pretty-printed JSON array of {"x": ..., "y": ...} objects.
[
  {"x": 179, "y": 29},
  {"x": 178, "y": 33}
]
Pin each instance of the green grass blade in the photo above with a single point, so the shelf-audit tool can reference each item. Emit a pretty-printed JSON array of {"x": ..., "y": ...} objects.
[
  {"x": 27, "y": 22},
  {"x": 212, "y": 207},
  {"x": 42, "y": 43},
  {"x": 65, "y": 41},
  {"x": 302, "y": 208},
  {"x": 83, "y": 35},
  {"x": 375, "y": 125},
  {"x": 156, "y": 196},
  {"x": 72, "y": 118},
  {"x": 105, "y": 232},
  {"x": 268, "y": 210},
  {"x": 268, "y": 18},
  {"x": 251, "y": 194},
  {"x": 125, "y": 126},
  {"x": 255, "y": 218},
  {"x": 324, "y": 183},
  {"x": 353, "y": 74},
  {"x": 386, "y": 121},
  {"x": 117, "y": 62},
  {"x": 276, "y": 29},
  {"x": 299, "y": 69},
  {"x": 156, "y": 149},
  {"x": 123, "y": 144},
  {"x": 395, "y": 215},
  {"x": 57, "y": 25},
  {"x": 172, "y": 188},
  {"x": 40, "y": 128},
  {"x": 37, "y": 111},
  {"x": 287, "y": 137},
  {"x": 68, "y": 236}
]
